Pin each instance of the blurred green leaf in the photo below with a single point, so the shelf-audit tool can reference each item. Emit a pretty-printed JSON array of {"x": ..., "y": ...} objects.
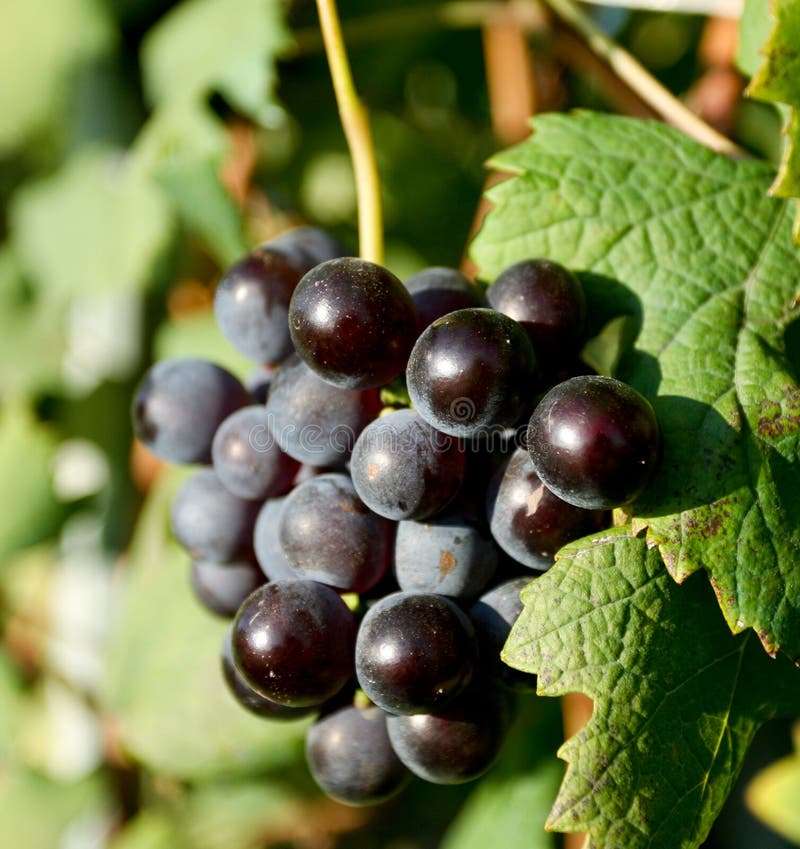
[
  {"x": 203, "y": 46},
  {"x": 32, "y": 334},
  {"x": 42, "y": 44},
  {"x": 774, "y": 793},
  {"x": 163, "y": 682},
  {"x": 152, "y": 828},
  {"x": 96, "y": 226},
  {"x": 35, "y": 812},
  {"x": 30, "y": 512},
  {"x": 754, "y": 27},
  {"x": 11, "y": 708}
]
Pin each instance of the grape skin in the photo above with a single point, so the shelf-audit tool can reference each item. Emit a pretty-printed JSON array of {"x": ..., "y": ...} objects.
[
  {"x": 247, "y": 459},
  {"x": 594, "y": 442},
  {"x": 351, "y": 759},
  {"x": 471, "y": 371},
  {"x": 293, "y": 642},
  {"x": 210, "y": 522},
  {"x": 222, "y": 587},
  {"x": 353, "y": 322},
  {"x": 439, "y": 290},
  {"x": 403, "y": 468},
  {"x": 180, "y": 403},
  {"x": 414, "y": 652},
  {"x": 267, "y": 543}
]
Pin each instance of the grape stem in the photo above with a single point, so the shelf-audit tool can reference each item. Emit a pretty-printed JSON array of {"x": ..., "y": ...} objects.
[{"x": 355, "y": 123}]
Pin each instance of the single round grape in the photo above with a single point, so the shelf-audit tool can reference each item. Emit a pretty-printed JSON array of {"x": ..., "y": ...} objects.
[
  {"x": 251, "y": 303},
  {"x": 471, "y": 371},
  {"x": 528, "y": 521},
  {"x": 414, "y": 652},
  {"x": 448, "y": 554},
  {"x": 548, "y": 301},
  {"x": 210, "y": 522},
  {"x": 594, "y": 442},
  {"x": 458, "y": 743},
  {"x": 329, "y": 535},
  {"x": 247, "y": 458},
  {"x": 438, "y": 290},
  {"x": 309, "y": 246},
  {"x": 351, "y": 759},
  {"x": 314, "y": 422},
  {"x": 180, "y": 403},
  {"x": 222, "y": 587},
  {"x": 493, "y": 616},
  {"x": 267, "y": 542},
  {"x": 246, "y": 696},
  {"x": 353, "y": 322},
  {"x": 293, "y": 642},
  {"x": 403, "y": 468}
]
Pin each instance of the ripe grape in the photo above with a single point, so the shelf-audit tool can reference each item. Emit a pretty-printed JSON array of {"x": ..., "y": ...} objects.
[
  {"x": 547, "y": 300},
  {"x": 313, "y": 421},
  {"x": 471, "y": 371},
  {"x": 594, "y": 442},
  {"x": 350, "y": 756},
  {"x": 180, "y": 403},
  {"x": 457, "y": 743},
  {"x": 448, "y": 554},
  {"x": 438, "y": 290},
  {"x": 267, "y": 544},
  {"x": 403, "y": 468},
  {"x": 329, "y": 535},
  {"x": 293, "y": 642},
  {"x": 353, "y": 322},
  {"x": 414, "y": 652},
  {"x": 528, "y": 521},
  {"x": 247, "y": 459},
  {"x": 210, "y": 522},
  {"x": 222, "y": 587},
  {"x": 309, "y": 246}
]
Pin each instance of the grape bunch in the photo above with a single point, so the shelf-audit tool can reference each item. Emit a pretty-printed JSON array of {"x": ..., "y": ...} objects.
[{"x": 371, "y": 557}]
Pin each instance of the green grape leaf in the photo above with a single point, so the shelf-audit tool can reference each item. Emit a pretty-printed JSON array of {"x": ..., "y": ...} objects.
[
  {"x": 96, "y": 226},
  {"x": 688, "y": 245},
  {"x": 778, "y": 81},
  {"x": 203, "y": 46},
  {"x": 772, "y": 795},
  {"x": 754, "y": 28},
  {"x": 163, "y": 683},
  {"x": 677, "y": 697},
  {"x": 41, "y": 45}
]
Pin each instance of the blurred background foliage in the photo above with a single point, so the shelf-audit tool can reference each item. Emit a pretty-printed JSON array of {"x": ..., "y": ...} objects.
[{"x": 144, "y": 145}]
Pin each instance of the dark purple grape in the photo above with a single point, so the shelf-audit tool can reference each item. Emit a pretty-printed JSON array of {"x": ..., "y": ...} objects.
[
  {"x": 314, "y": 422},
  {"x": 594, "y": 442},
  {"x": 210, "y": 522},
  {"x": 309, "y": 246},
  {"x": 247, "y": 458},
  {"x": 414, "y": 652},
  {"x": 351, "y": 759},
  {"x": 447, "y": 554},
  {"x": 403, "y": 468},
  {"x": 267, "y": 543},
  {"x": 353, "y": 322},
  {"x": 548, "y": 301},
  {"x": 455, "y": 744},
  {"x": 251, "y": 303},
  {"x": 259, "y": 382},
  {"x": 222, "y": 587},
  {"x": 438, "y": 290},
  {"x": 246, "y": 696},
  {"x": 528, "y": 521},
  {"x": 493, "y": 616},
  {"x": 293, "y": 642},
  {"x": 180, "y": 403},
  {"x": 471, "y": 371},
  {"x": 329, "y": 535}
]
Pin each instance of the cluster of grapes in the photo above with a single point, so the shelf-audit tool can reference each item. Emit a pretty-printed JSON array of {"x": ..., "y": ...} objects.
[{"x": 371, "y": 558}]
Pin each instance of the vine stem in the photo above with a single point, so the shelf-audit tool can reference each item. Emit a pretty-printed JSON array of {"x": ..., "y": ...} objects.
[
  {"x": 355, "y": 123},
  {"x": 649, "y": 89}
]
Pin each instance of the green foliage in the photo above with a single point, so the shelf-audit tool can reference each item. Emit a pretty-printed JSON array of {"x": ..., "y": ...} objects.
[
  {"x": 686, "y": 243},
  {"x": 773, "y": 794},
  {"x": 163, "y": 682},
  {"x": 677, "y": 698},
  {"x": 778, "y": 81},
  {"x": 754, "y": 28}
]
